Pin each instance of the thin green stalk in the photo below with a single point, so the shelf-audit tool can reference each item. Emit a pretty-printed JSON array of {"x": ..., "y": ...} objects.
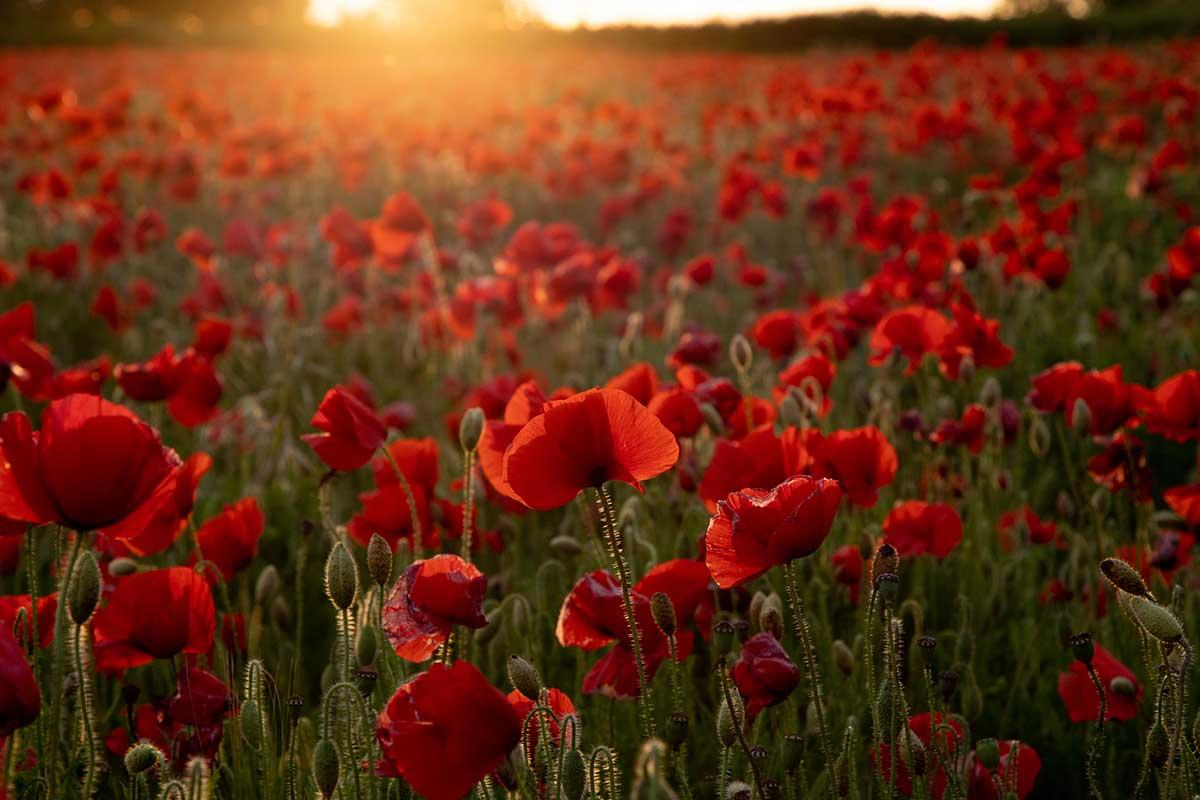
[
  {"x": 86, "y": 700},
  {"x": 418, "y": 549},
  {"x": 808, "y": 652},
  {"x": 741, "y": 734},
  {"x": 468, "y": 504},
  {"x": 1098, "y": 739}
]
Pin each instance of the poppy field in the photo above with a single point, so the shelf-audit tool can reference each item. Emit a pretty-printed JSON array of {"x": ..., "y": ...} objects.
[{"x": 594, "y": 424}]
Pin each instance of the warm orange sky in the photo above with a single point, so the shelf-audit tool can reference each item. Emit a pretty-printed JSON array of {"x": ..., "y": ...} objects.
[{"x": 571, "y": 13}]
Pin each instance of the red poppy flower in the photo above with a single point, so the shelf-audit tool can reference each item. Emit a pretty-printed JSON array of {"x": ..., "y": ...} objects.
[
  {"x": 813, "y": 376},
  {"x": 526, "y": 402},
  {"x": 950, "y": 738},
  {"x": 861, "y": 460},
  {"x": 982, "y": 784},
  {"x": 186, "y": 724},
  {"x": 777, "y": 332},
  {"x": 230, "y": 539},
  {"x": 1079, "y": 694},
  {"x": 26, "y": 362},
  {"x": 679, "y": 411},
  {"x": 1185, "y": 501},
  {"x": 1172, "y": 409},
  {"x": 445, "y": 730},
  {"x": 974, "y": 336},
  {"x": 1121, "y": 466},
  {"x": 560, "y": 703},
  {"x": 967, "y": 432},
  {"x": 1108, "y": 398},
  {"x": 764, "y": 674},
  {"x": 754, "y": 530},
  {"x": 155, "y": 614},
  {"x": 11, "y": 604},
  {"x": 639, "y": 380},
  {"x": 94, "y": 466},
  {"x": 585, "y": 441},
  {"x": 756, "y": 461},
  {"x": 195, "y": 390},
  {"x": 20, "y": 699},
  {"x": 1051, "y": 388},
  {"x": 1038, "y": 530},
  {"x": 910, "y": 333},
  {"x": 916, "y": 527},
  {"x": 352, "y": 431},
  {"x": 428, "y": 600},
  {"x": 848, "y": 569},
  {"x": 386, "y": 512}
]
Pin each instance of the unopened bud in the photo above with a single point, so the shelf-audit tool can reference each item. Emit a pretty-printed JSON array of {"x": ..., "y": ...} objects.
[
  {"x": 1081, "y": 416},
  {"x": 843, "y": 657},
  {"x": 379, "y": 560},
  {"x": 712, "y": 418},
  {"x": 740, "y": 353},
  {"x": 122, "y": 567},
  {"x": 990, "y": 394},
  {"x": 1123, "y": 576},
  {"x": 365, "y": 645},
  {"x": 524, "y": 677},
  {"x": 663, "y": 612},
  {"x": 326, "y": 766},
  {"x": 267, "y": 585},
  {"x": 470, "y": 429},
  {"x": 988, "y": 753},
  {"x": 573, "y": 776},
  {"x": 1156, "y": 620},
  {"x": 85, "y": 588},
  {"x": 566, "y": 545},
  {"x": 252, "y": 727},
  {"x": 1158, "y": 746},
  {"x": 770, "y": 616},
  {"x": 1120, "y": 685},
  {"x": 729, "y": 720},
  {"x": 341, "y": 577},
  {"x": 141, "y": 757}
]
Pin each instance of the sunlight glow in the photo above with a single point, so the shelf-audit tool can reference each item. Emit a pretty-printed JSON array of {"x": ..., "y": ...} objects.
[{"x": 330, "y": 13}]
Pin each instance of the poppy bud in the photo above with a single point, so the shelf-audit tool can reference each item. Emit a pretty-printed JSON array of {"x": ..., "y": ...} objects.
[
  {"x": 722, "y": 637},
  {"x": 85, "y": 589},
  {"x": 990, "y": 394},
  {"x": 573, "y": 776},
  {"x": 966, "y": 369},
  {"x": 141, "y": 757},
  {"x": 738, "y": 790},
  {"x": 663, "y": 612},
  {"x": 1083, "y": 647},
  {"x": 1101, "y": 500},
  {"x": 1122, "y": 686},
  {"x": 988, "y": 753},
  {"x": 712, "y": 418},
  {"x": 364, "y": 645},
  {"x": 281, "y": 613},
  {"x": 792, "y": 751},
  {"x": 120, "y": 567},
  {"x": 489, "y": 631},
  {"x": 756, "y": 603},
  {"x": 365, "y": 679},
  {"x": 730, "y": 720},
  {"x": 1156, "y": 620},
  {"x": 1064, "y": 504},
  {"x": 1123, "y": 576},
  {"x": 1158, "y": 746},
  {"x": 677, "y": 729},
  {"x": 1081, "y": 416},
  {"x": 888, "y": 585},
  {"x": 326, "y": 767},
  {"x": 341, "y": 577},
  {"x": 470, "y": 428},
  {"x": 912, "y": 751},
  {"x": 771, "y": 789},
  {"x": 843, "y": 657},
  {"x": 252, "y": 727},
  {"x": 791, "y": 411},
  {"x": 524, "y": 677},
  {"x": 379, "y": 560},
  {"x": 267, "y": 585},
  {"x": 770, "y": 616},
  {"x": 887, "y": 561},
  {"x": 883, "y": 707},
  {"x": 566, "y": 545},
  {"x": 740, "y": 353},
  {"x": 947, "y": 683}
]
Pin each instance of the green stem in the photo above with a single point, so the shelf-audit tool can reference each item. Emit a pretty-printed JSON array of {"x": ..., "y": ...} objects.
[
  {"x": 85, "y": 710},
  {"x": 741, "y": 734},
  {"x": 418, "y": 548},
  {"x": 800, "y": 622},
  {"x": 468, "y": 504},
  {"x": 1098, "y": 740}
]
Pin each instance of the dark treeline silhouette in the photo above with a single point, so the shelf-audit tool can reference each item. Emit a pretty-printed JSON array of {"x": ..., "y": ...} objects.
[{"x": 480, "y": 23}]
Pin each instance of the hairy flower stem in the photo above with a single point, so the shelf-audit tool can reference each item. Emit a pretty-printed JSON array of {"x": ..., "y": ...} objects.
[
  {"x": 738, "y": 728},
  {"x": 418, "y": 549},
  {"x": 87, "y": 700},
  {"x": 613, "y": 541},
  {"x": 60, "y": 658},
  {"x": 1098, "y": 739},
  {"x": 809, "y": 654},
  {"x": 31, "y": 574},
  {"x": 468, "y": 521}
]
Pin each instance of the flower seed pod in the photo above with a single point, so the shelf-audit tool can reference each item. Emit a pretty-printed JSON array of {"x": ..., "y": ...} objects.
[
  {"x": 738, "y": 790},
  {"x": 379, "y": 560},
  {"x": 341, "y": 577},
  {"x": 772, "y": 789},
  {"x": 740, "y": 353},
  {"x": 947, "y": 684},
  {"x": 470, "y": 429},
  {"x": 927, "y": 645},
  {"x": 722, "y": 639},
  {"x": 886, "y": 561},
  {"x": 524, "y": 677},
  {"x": 663, "y": 612},
  {"x": 843, "y": 657},
  {"x": 792, "y": 751},
  {"x": 573, "y": 777},
  {"x": 121, "y": 567},
  {"x": 141, "y": 757},
  {"x": 267, "y": 585},
  {"x": 365, "y": 679},
  {"x": 677, "y": 729},
  {"x": 988, "y": 753},
  {"x": 85, "y": 589},
  {"x": 365, "y": 645},
  {"x": 729, "y": 721},
  {"x": 1083, "y": 647},
  {"x": 1123, "y": 576},
  {"x": 295, "y": 705},
  {"x": 888, "y": 585},
  {"x": 252, "y": 726},
  {"x": 325, "y": 767},
  {"x": 770, "y": 616},
  {"x": 566, "y": 545},
  {"x": 1156, "y": 620}
]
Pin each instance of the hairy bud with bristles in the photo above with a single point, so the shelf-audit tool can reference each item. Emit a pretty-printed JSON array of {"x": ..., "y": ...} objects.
[
  {"x": 470, "y": 429},
  {"x": 325, "y": 766},
  {"x": 379, "y": 560},
  {"x": 85, "y": 589},
  {"x": 1123, "y": 576},
  {"x": 663, "y": 611},
  {"x": 141, "y": 757},
  {"x": 524, "y": 677},
  {"x": 267, "y": 585},
  {"x": 1156, "y": 620},
  {"x": 573, "y": 777},
  {"x": 341, "y": 577}
]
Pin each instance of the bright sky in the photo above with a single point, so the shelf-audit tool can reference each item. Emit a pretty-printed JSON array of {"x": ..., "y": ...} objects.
[{"x": 572, "y": 13}]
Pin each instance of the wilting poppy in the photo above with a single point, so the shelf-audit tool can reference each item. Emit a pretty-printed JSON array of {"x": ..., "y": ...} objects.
[
  {"x": 351, "y": 431},
  {"x": 230, "y": 539},
  {"x": 150, "y": 615},
  {"x": 1121, "y": 687},
  {"x": 754, "y": 530},
  {"x": 428, "y": 600},
  {"x": 94, "y": 466},
  {"x": 915, "y": 527},
  {"x": 20, "y": 699},
  {"x": 1172, "y": 409},
  {"x": 764, "y": 674},
  {"x": 583, "y": 442},
  {"x": 445, "y": 730}
]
